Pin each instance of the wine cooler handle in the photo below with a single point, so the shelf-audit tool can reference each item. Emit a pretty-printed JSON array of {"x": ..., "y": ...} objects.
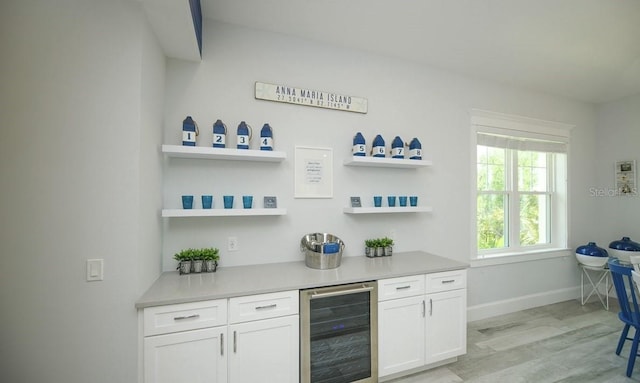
[{"x": 315, "y": 295}]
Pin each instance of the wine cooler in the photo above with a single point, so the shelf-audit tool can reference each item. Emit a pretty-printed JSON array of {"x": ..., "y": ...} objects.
[{"x": 339, "y": 334}]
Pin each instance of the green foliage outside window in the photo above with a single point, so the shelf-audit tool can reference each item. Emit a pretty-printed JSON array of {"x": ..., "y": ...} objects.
[{"x": 493, "y": 200}]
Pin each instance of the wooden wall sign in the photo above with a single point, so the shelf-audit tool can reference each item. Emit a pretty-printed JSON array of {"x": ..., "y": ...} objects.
[{"x": 310, "y": 97}]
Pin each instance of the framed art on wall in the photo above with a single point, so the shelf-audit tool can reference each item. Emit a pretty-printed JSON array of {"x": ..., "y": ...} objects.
[
  {"x": 313, "y": 172},
  {"x": 626, "y": 177}
]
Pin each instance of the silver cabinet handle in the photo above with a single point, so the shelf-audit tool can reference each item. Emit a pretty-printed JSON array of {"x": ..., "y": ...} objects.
[
  {"x": 192, "y": 316},
  {"x": 221, "y": 344},
  {"x": 423, "y": 308},
  {"x": 448, "y": 281},
  {"x": 235, "y": 341},
  {"x": 430, "y": 307},
  {"x": 271, "y": 306},
  {"x": 403, "y": 287}
]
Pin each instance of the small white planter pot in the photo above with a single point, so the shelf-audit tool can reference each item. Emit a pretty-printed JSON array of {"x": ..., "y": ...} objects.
[
  {"x": 209, "y": 266},
  {"x": 196, "y": 266},
  {"x": 185, "y": 267}
]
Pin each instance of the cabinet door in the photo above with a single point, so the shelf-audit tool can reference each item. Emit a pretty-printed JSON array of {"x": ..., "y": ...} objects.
[
  {"x": 401, "y": 334},
  {"x": 265, "y": 351},
  {"x": 197, "y": 356},
  {"x": 446, "y": 325}
]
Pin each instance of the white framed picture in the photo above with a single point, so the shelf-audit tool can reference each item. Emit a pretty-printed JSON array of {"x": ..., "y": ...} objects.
[
  {"x": 626, "y": 177},
  {"x": 313, "y": 172}
]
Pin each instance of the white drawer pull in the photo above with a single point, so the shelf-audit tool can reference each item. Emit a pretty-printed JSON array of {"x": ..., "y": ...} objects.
[
  {"x": 271, "y": 306},
  {"x": 449, "y": 281},
  {"x": 192, "y": 316},
  {"x": 403, "y": 287}
]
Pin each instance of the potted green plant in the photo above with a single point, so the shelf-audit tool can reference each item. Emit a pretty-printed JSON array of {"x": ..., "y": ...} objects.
[
  {"x": 196, "y": 261},
  {"x": 379, "y": 246},
  {"x": 370, "y": 248},
  {"x": 387, "y": 245},
  {"x": 184, "y": 258},
  {"x": 210, "y": 257}
]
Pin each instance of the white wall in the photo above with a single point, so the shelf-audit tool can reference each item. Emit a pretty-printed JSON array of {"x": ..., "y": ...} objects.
[
  {"x": 405, "y": 99},
  {"x": 79, "y": 106},
  {"x": 82, "y": 89},
  {"x": 152, "y": 84},
  {"x": 618, "y": 139}
]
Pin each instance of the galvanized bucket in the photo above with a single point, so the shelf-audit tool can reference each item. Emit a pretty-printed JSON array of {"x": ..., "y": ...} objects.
[{"x": 322, "y": 250}]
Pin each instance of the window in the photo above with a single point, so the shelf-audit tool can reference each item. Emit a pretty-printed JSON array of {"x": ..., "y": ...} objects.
[{"x": 521, "y": 190}]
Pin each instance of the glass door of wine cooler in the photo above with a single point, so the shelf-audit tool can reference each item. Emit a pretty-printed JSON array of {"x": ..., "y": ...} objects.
[{"x": 339, "y": 339}]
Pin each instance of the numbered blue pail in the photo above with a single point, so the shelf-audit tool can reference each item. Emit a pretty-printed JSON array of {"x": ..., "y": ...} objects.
[
  {"x": 415, "y": 149},
  {"x": 359, "y": 146},
  {"x": 189, "y": 132},
  {"x": 266, "y": 138},
  {"x": 378, "y": 147},
  {"x": 244, "y": 135},
  {"x": 219, "y": 134},
  {"x": 397, "y": 148}
]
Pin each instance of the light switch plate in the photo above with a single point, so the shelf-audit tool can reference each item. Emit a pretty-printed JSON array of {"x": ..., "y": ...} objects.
[{"x": 95, "y": 270}]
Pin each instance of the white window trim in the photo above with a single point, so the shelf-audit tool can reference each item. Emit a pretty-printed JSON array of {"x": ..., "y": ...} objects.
[
  {"x": 489, "y": 121},
  {"x": 520, "y": 257}
]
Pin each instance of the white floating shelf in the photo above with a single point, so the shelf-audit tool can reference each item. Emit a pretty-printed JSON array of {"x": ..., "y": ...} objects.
[
  {"x": 220, "y": 212},
  {"x": 210, "y": 153},
  {"x": 379, "y": 210},
  {"x": 386, "y": 162}
]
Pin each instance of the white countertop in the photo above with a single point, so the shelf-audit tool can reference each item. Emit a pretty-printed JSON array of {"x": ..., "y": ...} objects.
[{"x": 227, "y": 282}]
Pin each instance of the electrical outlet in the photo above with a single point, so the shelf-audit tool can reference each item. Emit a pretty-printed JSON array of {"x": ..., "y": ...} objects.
[{"x": 232, "y": 244}]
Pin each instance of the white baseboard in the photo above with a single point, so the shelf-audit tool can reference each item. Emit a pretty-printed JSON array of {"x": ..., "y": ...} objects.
[{"x": 506, "y": 306}]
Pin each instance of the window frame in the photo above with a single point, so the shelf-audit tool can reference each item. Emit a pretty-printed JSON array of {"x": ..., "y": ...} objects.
[{"x": 518, "y": 126}]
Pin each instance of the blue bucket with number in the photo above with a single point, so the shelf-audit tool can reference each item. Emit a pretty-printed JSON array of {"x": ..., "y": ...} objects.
[
  {"x": 397, "y": 148},
  {"x": 359, "y": 146},
  {"x": 266, "y": 138},
  {"x": 219, "y": 134},
  {"x": 244, "y": 135},
  {"x": 189, "y": 132},
  {"x": 378, "y": 147}
]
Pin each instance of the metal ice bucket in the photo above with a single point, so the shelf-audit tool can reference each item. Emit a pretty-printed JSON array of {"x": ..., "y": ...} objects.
[{"x": 322, "y": 250}]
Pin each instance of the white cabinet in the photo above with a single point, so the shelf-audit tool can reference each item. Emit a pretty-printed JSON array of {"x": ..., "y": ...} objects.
[
  {"x": 265, "y": 351},
  {"x": 185, "y": 342},
  {"x": 256, "y": 340},
  {"x": 422, "y": 320},
  {"x": 264, "y": 338},
  {"x": 401, "y": 326},
  {"x": 189, "y": 356},
  {"x": 446, "y": 316},
  {"x": 446, "y": 325},
  {"x": 401, "y": 335}
]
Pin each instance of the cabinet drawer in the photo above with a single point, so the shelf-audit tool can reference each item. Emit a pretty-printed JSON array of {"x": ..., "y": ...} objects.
[
  {"x": 445, "y": 281},
  {"x": 263, "y": 306},
  {"x": 184, "y": 316},
  {"x": 400, "y": 287}
]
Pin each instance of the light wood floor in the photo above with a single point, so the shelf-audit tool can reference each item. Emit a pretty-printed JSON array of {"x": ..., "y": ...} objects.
[{"x": 563, "y": 342}]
